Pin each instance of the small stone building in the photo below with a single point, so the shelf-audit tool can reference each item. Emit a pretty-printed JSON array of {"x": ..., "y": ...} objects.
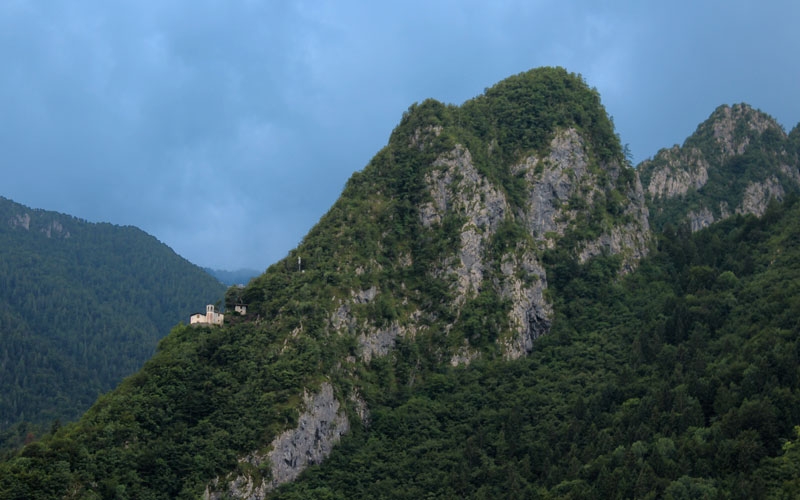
[{"x": 211, "y": 317}]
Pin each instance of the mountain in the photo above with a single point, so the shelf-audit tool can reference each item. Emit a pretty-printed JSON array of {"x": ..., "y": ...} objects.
[
  {"x": 735, "y": 163},
  {"x": 230, "y": 278},
  {"x": 82, "y": 306},
  {"x": 677, "y": 380},
  {"x": 484, "y": 313}
]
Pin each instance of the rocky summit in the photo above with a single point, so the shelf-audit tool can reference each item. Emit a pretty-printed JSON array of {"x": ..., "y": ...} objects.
[
  {"x": 735, "y": 163},
  {"x": 490, "y": 309},
  {"x": 442, "y": 238}
]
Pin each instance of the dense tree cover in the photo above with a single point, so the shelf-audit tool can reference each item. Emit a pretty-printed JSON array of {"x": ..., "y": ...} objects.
[
  {"x": 677, "y": 381},
  {"x": 81, "y": 306}
]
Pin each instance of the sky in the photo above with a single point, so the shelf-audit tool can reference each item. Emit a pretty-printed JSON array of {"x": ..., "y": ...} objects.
[{"x": 227, "y": 128}]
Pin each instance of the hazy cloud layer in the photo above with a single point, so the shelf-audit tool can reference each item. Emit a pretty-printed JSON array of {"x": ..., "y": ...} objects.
[{"x": 227, "y": 128}]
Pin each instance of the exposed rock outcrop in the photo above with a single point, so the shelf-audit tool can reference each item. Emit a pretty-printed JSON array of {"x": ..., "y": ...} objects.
[
  {"x": 55, "y": 229},
  {"x": 555, "y": 180},
  {"x": 700, "y": 219},
  {"x": 320, "y": 426},
  {"x": 757, "y": 196},
  {"x": 464, "y": 355},
  {"x": 531, "y": 314},
  {"x": 562, "y": 187},
  {"x": 376, "y": 342},
  {"x": 493, "y": 205},
  {"x": 678, "y": 172},
  {"x": 727, "y": 119},
  {"x": 456, "y": 186},
  {"x": 52, "y": 228},
  {"x": 21, "y": 220},
  {"x": 739, "y": 154}
]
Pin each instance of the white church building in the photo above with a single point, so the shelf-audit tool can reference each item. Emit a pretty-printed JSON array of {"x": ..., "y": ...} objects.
[{"x": 211, "y": 317}]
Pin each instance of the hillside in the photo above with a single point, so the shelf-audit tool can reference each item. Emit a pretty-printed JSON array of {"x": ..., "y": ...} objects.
[
  {"x": 734, "y": 163},
  {"x": 82, "y": 306},
  {"x": 680, "y": 380},
  {"x": 483, "y": 313}
]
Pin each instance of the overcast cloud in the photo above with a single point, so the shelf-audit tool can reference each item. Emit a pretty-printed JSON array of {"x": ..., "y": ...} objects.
[{"x": 227, "y": 128}]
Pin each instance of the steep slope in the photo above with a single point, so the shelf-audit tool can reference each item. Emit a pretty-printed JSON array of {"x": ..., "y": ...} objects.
[
  {"x": 435, "y": 255},
  {"x": 680, "y": 380},
  {"x": 735, "y": 163},
  {"x": 82, "y": 306},
  {"x": 441, "y": 241}
]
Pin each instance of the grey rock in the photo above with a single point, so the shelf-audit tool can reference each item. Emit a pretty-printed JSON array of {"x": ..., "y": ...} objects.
[
  {"x": 553, "y": 182},
  {"x": 21, "y": 220},
  {"x": 700, "y": 219},
  {"x": 757, "y": 196},
  {"x": 320, "y": 426},
  {"x": 680, "y": 172},
  {"x": 530, "y": 314},
  {"x": 456, "y": 186}
]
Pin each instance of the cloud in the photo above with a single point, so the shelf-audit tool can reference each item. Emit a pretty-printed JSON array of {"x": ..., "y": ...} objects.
[{"x": 226, "y": 129}]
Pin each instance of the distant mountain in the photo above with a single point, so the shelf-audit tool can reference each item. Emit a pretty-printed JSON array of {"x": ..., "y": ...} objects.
[
  {"x": 230, "y": 278},
  {"x": 734, "y": 163},
  {"x": 485, "y": 312},
  {"x": 82, "y": 305}
]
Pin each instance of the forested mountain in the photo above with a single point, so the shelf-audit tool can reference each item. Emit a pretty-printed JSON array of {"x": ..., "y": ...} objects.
[
  {"x": 484, "y": 313},
  {"x": 734, "y": 163},
  {"x": 82, "y": 305},
  {"x": 238, "y": 277}
]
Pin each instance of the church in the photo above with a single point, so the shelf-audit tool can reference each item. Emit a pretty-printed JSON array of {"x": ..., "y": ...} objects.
[{"x": 211, "y": 317}]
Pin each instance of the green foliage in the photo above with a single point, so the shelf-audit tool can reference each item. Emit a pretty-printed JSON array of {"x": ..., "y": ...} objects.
[
  {"x": 208, "y": 396},
  {"x": 679, "y": 381},
  {"x": 520, "y": 115},
  {"x": 523, "y": 111},
  {"x": 83, "y": 305}
]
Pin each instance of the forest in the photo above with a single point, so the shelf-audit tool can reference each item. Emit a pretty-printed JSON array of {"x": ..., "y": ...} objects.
[
  {"x": 677, "y": 381},
  {"x": 675, "y": 376},
  {"x": 82, "y": 306}
]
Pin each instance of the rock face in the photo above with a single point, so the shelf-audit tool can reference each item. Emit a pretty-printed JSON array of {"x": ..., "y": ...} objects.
[
  {"x": 739, "y": 158},
  {"x": 456, "y": 187},
  {"x": 680, "y": 172},
  {"x": 320, "y": 426},
  {"x": 758, "y": 194},
  {"x": 480, "y": 210},
  {"x": 554, "y": 181},
  {"x": 46, "y": 224},
  {"x": 561, "y": 187},
  {"x": 531, "y": 314}
]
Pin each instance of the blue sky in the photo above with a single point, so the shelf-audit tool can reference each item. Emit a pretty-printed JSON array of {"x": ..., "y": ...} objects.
[{"x": 228, "y": 128}]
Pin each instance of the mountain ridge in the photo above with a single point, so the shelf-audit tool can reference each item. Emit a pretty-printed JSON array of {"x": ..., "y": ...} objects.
[
  {"x": 738, "y": 146},
  {"x": 477, "y": 230},
  {"x": 72, "y": 289}
]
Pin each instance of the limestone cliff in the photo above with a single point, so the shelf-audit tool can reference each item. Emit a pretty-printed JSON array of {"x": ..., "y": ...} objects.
[
  {"x": 735, "y": 163},
  {"x": 320, "y": 426},
  {"x": 441, "y": 242},
  {"x": 51, "y": 224},
  {"x": 475, "y": 231}
]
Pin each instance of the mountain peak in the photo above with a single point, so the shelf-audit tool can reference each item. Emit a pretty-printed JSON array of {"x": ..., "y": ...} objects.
[
  {"x": 476, "y": 230},
  {"x": 734, "y": 127},
  {"x": 734, "y": 163}
]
